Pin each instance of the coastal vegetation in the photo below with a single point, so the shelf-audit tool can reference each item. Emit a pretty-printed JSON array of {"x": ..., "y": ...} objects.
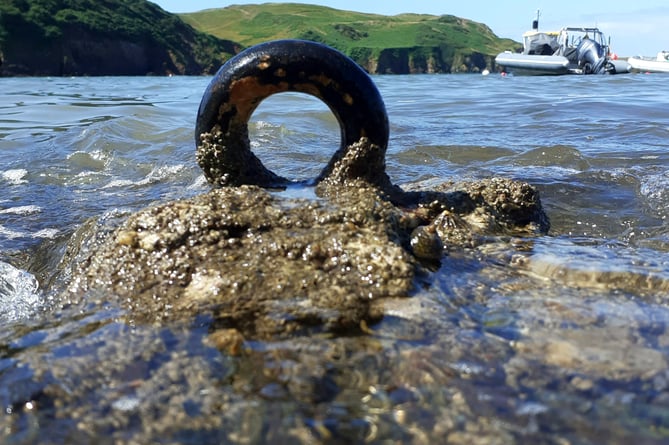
[
  {"x": 137, "y": 37},
  {"x": 401, "y": 44},
  {"x": 108, "y": 37}
]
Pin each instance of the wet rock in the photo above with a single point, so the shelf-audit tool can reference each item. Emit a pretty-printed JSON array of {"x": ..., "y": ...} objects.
[
  {"x": 257, "y": 262},
  {"x": 426, "y": 244},
  {"x": 595, "y": 353},
  {"x": 269, "y": 265}
]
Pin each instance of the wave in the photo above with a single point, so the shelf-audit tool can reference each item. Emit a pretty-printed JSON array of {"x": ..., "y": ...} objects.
[
  {"x": 655, "y": 190},
  {"x": 599, "y": 266},
  {"x": 14, "y": 176},
  {"x": 19, "y": 293},
  {"x": 46, "y": 233},
  {"x": 21, "y": 210},
  {"x": 156, "y": 175}
]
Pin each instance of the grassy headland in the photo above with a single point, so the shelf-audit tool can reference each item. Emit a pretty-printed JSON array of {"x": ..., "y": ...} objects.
[{"x": 400, "y": 44}]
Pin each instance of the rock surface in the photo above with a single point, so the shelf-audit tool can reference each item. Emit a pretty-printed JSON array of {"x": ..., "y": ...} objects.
[{"x": 266, "y": 264}]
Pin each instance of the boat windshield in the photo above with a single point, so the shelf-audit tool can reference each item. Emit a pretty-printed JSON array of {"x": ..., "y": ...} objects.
[{"x": 572, "y": 37}]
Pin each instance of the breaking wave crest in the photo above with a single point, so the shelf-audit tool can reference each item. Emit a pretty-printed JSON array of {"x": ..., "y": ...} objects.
[{"x": 19, "y": 293}]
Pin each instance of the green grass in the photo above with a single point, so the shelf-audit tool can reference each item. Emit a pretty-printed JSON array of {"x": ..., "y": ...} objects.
[{"x": 346, "y": 30}]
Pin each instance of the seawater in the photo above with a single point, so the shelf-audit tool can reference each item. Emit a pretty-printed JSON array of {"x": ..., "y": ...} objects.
[{"x": 565, "y": 333}]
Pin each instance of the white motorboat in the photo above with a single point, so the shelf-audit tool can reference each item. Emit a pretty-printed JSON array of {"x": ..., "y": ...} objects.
[
  {"x": 659, "y": 64},
  {"x": 571, "y": 50}
]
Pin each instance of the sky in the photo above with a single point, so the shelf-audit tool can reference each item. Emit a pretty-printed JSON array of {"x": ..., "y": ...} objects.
[{"x": 637, "y": 27}]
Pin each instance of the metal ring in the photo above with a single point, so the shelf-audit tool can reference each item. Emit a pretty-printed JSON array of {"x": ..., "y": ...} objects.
[{"x": 221, "y": 131}]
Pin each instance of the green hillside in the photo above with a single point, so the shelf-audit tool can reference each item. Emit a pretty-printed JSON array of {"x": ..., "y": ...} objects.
[
  {"x": 447, "y": 39},
  {"x": 91, "y": 37}
]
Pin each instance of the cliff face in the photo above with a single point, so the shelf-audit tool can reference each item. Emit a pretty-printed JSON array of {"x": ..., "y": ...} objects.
[
  {"x": 64, "y": 38},
  {"x": 421, "y": 60},
  {"x": 84, "y": 53}
]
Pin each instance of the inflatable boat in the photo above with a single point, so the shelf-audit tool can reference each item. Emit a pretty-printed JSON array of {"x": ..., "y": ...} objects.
[
  {"x": 571, "y": 50},
  {"x": 658, "y": 64}
]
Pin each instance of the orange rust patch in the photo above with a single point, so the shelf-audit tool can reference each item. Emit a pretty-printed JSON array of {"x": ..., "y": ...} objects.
[
  {"x": 323, "y": 80},
  {"x": 265, "y": 62},
  {"x": 348, "y": 99},
  {"x": 246, "y": 94},
  {"x": 308, "y": 88}
]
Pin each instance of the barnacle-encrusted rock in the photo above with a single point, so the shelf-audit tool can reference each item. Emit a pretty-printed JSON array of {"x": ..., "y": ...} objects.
[
  {"x": 256, "y": 261},
  {"x": 268, "y": 264}
]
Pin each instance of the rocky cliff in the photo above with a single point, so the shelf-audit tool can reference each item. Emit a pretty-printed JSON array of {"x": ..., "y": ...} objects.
[{"x": 421, "y": 60}]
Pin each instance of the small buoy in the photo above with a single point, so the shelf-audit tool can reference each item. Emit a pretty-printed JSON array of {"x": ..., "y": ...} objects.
[{"x": 485, "y": 72}]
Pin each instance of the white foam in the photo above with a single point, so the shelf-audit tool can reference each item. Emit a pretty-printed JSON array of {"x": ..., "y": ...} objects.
[
  {"x": 21, "y": 210},
  {"x": 118, "y": 183},
  {"x": 19, "y": 297},
  {"x": 264, "y": 124},
  {"x": 15, "y": 176},
  {"x": 655, "y": 188},
  {"x": 199, "y": 183},
  {"x": 126, "y": 403},
  {"x": 10, "y": 234},
  {"x": 158, "y": 174},
  {"x": 46, "y": 233}
]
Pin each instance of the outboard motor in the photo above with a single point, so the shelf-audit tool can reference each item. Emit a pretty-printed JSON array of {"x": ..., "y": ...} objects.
[{"x": 591, "y": 57}]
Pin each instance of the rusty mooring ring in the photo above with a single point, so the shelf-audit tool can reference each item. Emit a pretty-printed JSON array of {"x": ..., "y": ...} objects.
[{"x": 221, "y": 131}]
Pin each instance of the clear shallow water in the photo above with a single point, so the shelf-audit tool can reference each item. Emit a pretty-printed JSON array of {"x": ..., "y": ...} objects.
[{"x": 556, "y": 338}]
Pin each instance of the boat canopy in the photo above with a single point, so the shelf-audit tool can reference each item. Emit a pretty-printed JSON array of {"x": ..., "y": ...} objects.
[{"x": 540, "y": 43}]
